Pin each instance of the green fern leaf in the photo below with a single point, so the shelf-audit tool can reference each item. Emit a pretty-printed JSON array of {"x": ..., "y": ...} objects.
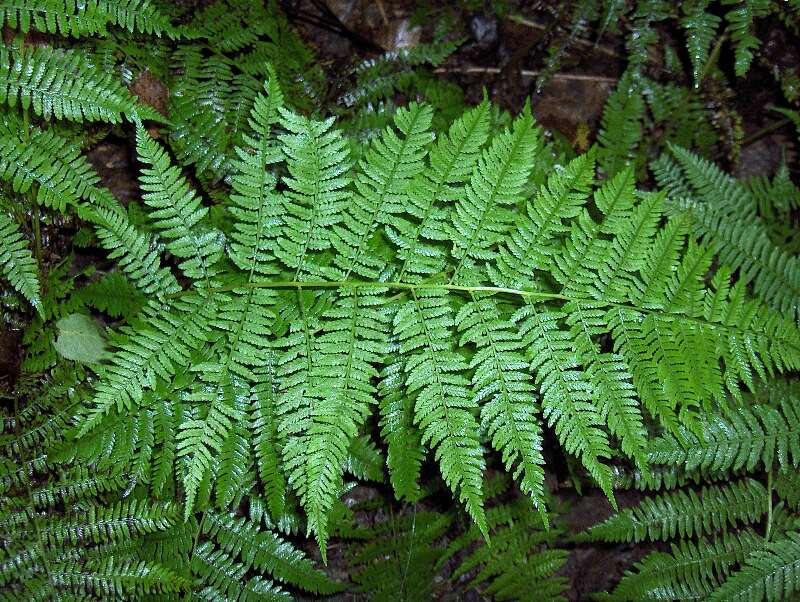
[
  {"x": 481, "y": 217},
  {"x": 443, "y": 408},
  {"x": 76, "y": 19},
  {"x": 690, "y": 570},
  {"x": 17, "y": 263},
  {"x": 405, "y": 452},
  {"x": 451, "y": 161},
  {"x": 320, "y": 423},
  {"x": 317, "y": 160},
  {"x": 531, "y": 245},
  {"x": 65, "y": 84},
  {"x": 772, "y": 573},
  {"x": 701, "y": 27},
  {"x": 741, "y": 440},
  {"x": 176, "y": 211},
  {"x": 566, "y": 391},
  {"x": 382, "y": 182},
  {"x": 685, "y": 513},
  {"x": 263, "y": 550},
  {"x": 505, "y": 392},
  {"x": 155, "y": 346}
]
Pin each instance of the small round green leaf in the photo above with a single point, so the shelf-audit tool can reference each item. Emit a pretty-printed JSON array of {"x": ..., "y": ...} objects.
[{"x": 80, "y": 339}]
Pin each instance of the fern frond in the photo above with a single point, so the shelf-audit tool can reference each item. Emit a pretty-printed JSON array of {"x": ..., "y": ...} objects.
[
  {"x": 117, "y": 578},
  {"x": 135, "y": 252},
  {"x": 772, "y": 573},
  {"x": 65, "y": 84},
  {"x": 320, "y": 423},
  {"x": 157, "y": 345},
  {"x": 451, "y": 161},
  {"x": 724, "y": 217},
  {"x": 55, "y": 164},
  {"x": 566, "y": 391},
  {"x": 690, "y": 570},
  {"x": 202, "y": 437},
  {"x": 73, "y": 18},
  {"x": 255, "y": 205},
  {"x": 740, "y": 23},
  {"x": 383, "y": 180},
  {"x": 620, "y": 127},
  {"x": 685, "y": 513},
  {"x": 405, "y": 453},
  {"x": 223, "y": 578},
  {"x": 263, "y": 550},
  {"x": 266, "y": 439},
  {"x": 700, "y": 26},
  {"x": 17, "y": 263},
  {"x": 740, "y": 440},
  {"x": 530, "y": 246},
  {"x": 317, "y": 160}
]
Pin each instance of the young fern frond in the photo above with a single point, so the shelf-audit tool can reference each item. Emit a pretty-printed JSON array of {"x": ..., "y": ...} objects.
[{"x": 17, "y": 264}]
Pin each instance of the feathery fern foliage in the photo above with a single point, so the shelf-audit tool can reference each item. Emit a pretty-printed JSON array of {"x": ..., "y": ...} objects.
[{"x": 434, "y": 294}]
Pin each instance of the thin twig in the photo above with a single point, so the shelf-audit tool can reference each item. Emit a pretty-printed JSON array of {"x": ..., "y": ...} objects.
[
  {"x": 583, "y": 77},
  {"x": 382, "y": 10},
  {"x": 765, "y": 130},
  {"x": 585, "y": 43}
]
